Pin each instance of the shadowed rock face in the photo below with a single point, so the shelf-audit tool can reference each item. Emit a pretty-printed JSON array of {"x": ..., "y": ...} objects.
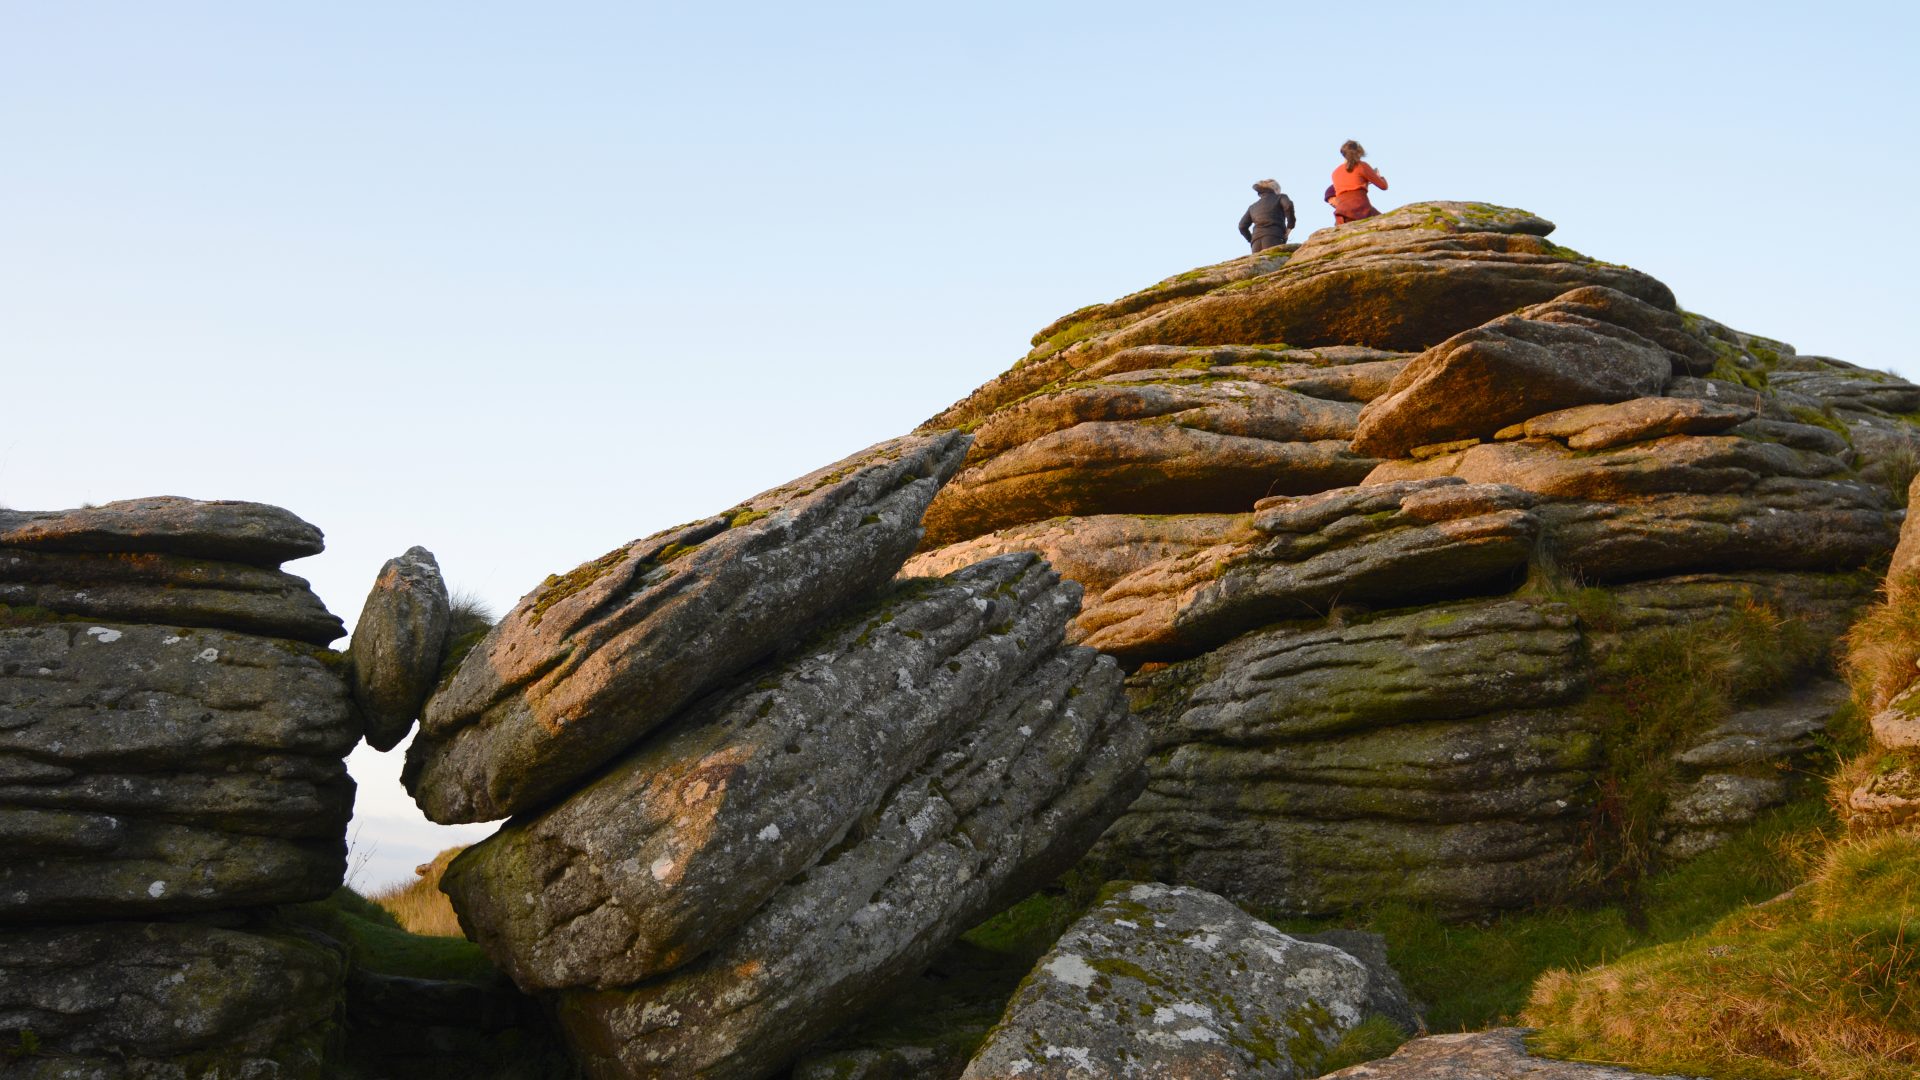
[
  {"x": 589, "y": 662},
  {"x": 397, "y": 643},
  {"x": 131, "y": 999},
  {"x": 1161, "y": 981},
  {"x": 166, "y": 590}
]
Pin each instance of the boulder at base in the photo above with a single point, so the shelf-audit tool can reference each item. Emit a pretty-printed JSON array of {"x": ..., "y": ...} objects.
[{"x": 1163, "y": 981}]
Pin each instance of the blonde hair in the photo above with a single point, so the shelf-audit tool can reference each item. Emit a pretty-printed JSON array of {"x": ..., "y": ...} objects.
[{"x": 1353, "y": 152}]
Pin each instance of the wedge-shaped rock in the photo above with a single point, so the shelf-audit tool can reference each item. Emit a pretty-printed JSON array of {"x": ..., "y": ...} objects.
[
  {"x": 1012, "y": 802},
  {"x": 127, "y": 999},
  {"x": 1477, "y": 382},
  {"x": 243, "y": 532},
  {"x": 1404, "y": 281},
  {"x": 1163, "y": 981},
  {"x": 589, "y": 662},
  {"x": 148, "y": 770},
  {"x": 1601, "y": 427},
  {"x": 1095, "y": 551},
  {"x": 680, "y": 841},
  {"x": 1378, "y": 544},
  {"x": 169, "y": 590},
  {"x": 1187, "y": 443},
  {"x": 397, "y": 642}
]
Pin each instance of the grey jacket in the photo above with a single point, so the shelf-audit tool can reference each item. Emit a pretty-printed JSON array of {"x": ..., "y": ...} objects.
[{"x": 1267, "y": 222}]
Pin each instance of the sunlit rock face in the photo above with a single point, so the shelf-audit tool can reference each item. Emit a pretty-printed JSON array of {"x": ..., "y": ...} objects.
[{"x": 1424, "y": 682}]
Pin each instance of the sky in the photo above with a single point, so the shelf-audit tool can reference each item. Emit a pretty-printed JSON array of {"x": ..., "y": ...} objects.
[{"x": 523, "y": 282}]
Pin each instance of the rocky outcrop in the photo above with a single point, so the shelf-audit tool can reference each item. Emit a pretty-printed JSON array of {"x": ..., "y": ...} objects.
[
  {"x": 397, "y": 643},
  {"x": 592, "y": 660},
  {"x": 253, "y": 534},
  {"x": 146, "y": 999},
  {"x": 1500, "y": 1054},
  {"x": 1160, "y": 981},
  {"x": 1733, "y": 771}
]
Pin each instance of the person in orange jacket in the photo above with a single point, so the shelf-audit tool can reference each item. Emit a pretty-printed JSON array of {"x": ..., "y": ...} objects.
[{"x": 1350, "y": 182}]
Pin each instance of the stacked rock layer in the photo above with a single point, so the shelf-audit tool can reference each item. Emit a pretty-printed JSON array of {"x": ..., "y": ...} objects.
[
  {"x": 755, "y": 781},
  {"x": 172, "y": 736},
  {"x": 1388, "y": 525}
]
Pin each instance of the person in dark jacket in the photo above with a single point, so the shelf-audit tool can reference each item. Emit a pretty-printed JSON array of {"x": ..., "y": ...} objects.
[{"x": 1267, "y": 222}]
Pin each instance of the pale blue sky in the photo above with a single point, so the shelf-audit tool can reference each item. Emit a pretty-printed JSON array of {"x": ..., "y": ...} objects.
[{"x": 523, "y": 282}]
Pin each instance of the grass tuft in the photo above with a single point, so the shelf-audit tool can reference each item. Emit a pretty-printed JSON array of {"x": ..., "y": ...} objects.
[
  {"x": 1823, "y": 983},
  {"x": 419, "y": 907}
]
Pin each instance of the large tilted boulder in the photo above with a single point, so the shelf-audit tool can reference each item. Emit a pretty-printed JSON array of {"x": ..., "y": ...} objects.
[
  {"x": 131, "y": 1000},
  {"x": 397, "y": 643},
  {"x": 672, "y": 847},
  {"x": 592, "y": 660},
  {"x": 1175, "y": 982},
  {"x": 1008, "y": 799}
]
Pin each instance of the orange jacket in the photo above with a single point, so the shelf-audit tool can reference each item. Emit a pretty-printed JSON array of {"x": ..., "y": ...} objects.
[{"x": 1350, "y": 188}]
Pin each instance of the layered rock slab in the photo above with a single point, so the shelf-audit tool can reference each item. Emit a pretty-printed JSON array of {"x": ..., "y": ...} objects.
[
  {"x": 674, "y": 845},
  {"x": 1187, "y": 442},
  {"x": 1382, "y": 543},
  {"x": 148, "y": 770},
  {"x": 168, "y": 590},
  {"x": 1428, "y": 755},
  {"x": 1008, "y": 804},
  {"x": 244, "y": 532},
  {"x": 588, "y": 663},
  {"x": 132, "y": 1000},
  {"x": 1162, "y": 981},
  {"x": 397, "y": 643}
]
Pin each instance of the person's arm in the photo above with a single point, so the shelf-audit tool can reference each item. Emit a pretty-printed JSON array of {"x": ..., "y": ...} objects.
[
  {"x": 1379, "y": 181},
  {"x": 1287, "y": 205},
  {"x": 1246, "y": 225}
]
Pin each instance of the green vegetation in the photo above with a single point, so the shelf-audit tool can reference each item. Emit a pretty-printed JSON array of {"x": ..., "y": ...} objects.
[
  {"x": 1824, "y": 983},
  {"x": 1374, "y": 1038},
  {"x": 375, "y": 942},
  {"x": 558, "y": 587},
  {"x": 1473, "y": 976}
]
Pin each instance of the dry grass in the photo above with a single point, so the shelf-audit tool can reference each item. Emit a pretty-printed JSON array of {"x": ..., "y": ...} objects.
[
  {"x": 419, "y": 906},
  {"x": 1884, "y": 645},
  {"x": 1821, "y": 983}
]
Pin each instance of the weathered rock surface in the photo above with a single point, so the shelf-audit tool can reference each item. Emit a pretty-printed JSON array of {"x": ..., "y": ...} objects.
[
  {"x": 1189, "y": 442},
  {"x": 1481, "y": 380},
  {"x": 130, "y": 1001},
  {"x": 1005, "y": 807},
  {"x": 1499, "y": 1054},
  {"x": 168, "y": 590},
  {"x": 397, "y": 643},
  {"x": 148, "y": 770},
  {"x": 589, "y": 662},
  {"x": 1160, "y": 981},
  {"x": 1430, "y": 755},
  {"x": 672, "y": 847},
  {"x": 242, "y": 532},
  {"x": 1391, "y": 542}
]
